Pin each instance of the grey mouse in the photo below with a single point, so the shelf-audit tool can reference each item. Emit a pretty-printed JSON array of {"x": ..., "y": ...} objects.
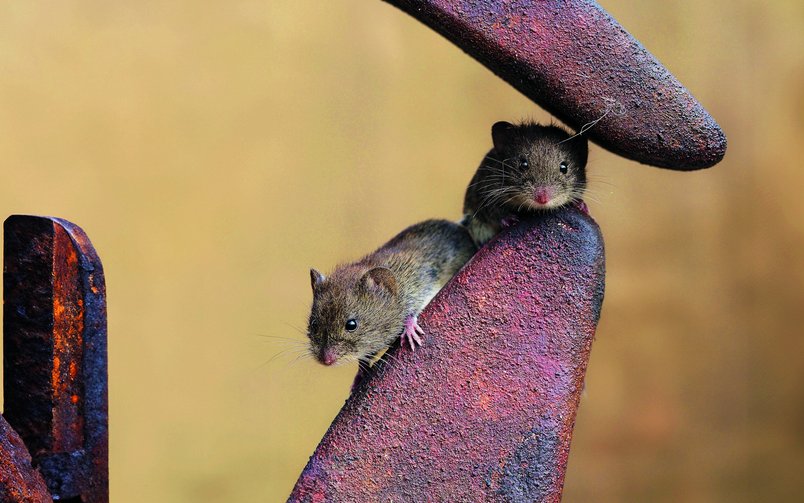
[{"x": 531, "y": 168}]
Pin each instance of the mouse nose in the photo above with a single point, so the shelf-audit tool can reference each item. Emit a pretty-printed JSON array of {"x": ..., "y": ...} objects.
[
  {"x": 542, "y": 195},
  {"x": 328, "y": 357}
]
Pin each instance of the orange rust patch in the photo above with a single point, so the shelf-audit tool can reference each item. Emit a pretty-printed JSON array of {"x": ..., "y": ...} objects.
[
  {"x": 56, "y": 371},
  {"x": 68, "y": 327}
]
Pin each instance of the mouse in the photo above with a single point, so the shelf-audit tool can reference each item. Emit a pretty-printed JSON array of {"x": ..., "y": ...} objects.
[
  {"x": 530, "y": 168},
  {"x": 361, "y": 308}
]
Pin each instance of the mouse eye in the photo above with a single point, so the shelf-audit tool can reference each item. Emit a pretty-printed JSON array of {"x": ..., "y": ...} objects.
[
  {"x": 351, "y": 325},
  {"x": 523, "y": 163},
  {"x": 563, "y": 167}
]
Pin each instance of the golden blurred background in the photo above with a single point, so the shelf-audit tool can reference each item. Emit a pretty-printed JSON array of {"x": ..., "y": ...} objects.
[{"x": 214, "y": 151}]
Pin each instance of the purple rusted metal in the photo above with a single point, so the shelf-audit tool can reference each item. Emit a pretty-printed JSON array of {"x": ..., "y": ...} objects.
[
  {"x": 19, "y": 481},
  {"x": 55, "y": 373},
  {"x": 485, "y": 410},
  {"x": 576, "y": 61}
]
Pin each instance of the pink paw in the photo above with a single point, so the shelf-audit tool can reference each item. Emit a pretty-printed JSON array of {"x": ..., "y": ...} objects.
[
  {"x": 582, "y": 206},
  {"x": 509, "y": 221},
  {"x": 412, "y": 333}
]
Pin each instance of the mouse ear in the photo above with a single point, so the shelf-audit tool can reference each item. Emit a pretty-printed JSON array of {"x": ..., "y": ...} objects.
[
  {"x": 379, "y": 278},
  {"x": 316, "y": 278},
  {"x": 501, "y": 134}
]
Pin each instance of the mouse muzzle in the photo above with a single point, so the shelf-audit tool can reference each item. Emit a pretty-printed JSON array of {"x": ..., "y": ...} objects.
[
  {"x": 542, "y": 195},
  {"x": 328, "y": 356}
]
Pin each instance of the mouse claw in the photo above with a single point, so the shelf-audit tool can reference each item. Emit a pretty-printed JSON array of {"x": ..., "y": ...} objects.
[
  {"x": 509, "y": 221},
  {"x": 412, "y": 333}
]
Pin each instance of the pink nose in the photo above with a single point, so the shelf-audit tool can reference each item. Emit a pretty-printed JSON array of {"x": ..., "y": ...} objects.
[
  {"x": 328, "y": 357},
  {"x": 542, "y": 195}
]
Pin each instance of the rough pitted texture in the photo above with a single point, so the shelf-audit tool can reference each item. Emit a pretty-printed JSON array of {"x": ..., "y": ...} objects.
[
  {"x": 576, "y": 61},
  {"x": 54, "y": 332},
  {"x": 485, "y": 409},
  {"x": 19, "y": 481}
]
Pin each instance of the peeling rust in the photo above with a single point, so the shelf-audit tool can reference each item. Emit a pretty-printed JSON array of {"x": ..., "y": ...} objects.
[
  {"x": 19, "y": 481},
  {"x": 484, "y": 411},
  {"x": 572, "y": 58},
  {"x": 55, "y": 370}
]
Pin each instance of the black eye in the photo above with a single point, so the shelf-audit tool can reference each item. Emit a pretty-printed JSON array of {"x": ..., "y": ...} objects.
[
  {"x": 563, "y": 167},
  {"x": 523, "y": 163},
  {"x": 351, "y": 325}
]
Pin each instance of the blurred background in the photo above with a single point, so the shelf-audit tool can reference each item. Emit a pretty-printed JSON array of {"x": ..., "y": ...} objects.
[{"x": 214, "y": 151}]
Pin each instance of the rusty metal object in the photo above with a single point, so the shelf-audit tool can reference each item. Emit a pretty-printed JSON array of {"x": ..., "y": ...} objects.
[
  {"x": 485, "y": 410},
  {"x": 576, "y": 61},
  {"x": 55, "y": 377},
  {"x": 19, "y": 481}
]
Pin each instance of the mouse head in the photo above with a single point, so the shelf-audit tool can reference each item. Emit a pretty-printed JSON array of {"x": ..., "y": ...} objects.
[
  {"x": 543, "y": 166},
  {"x": 356, "y": 313}
]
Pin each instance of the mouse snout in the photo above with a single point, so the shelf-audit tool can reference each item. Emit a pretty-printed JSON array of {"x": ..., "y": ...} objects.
[
  {"x": 328, "y": 356},
  {"x": 542, "y": 195}
]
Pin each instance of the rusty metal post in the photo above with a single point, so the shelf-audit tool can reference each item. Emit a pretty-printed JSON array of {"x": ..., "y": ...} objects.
[
  {"x": 55, "y": 372},
  {"x": 572, "y": 58},
  {"x": 485, "y": 410}
]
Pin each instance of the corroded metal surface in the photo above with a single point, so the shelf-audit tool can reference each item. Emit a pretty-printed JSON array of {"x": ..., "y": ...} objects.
[
  {"x": 576, "y": 61},
  {"x": 55, "y": 373},
  {"x": 19, "y": 481},
  {"x": 485, "y": 409}
]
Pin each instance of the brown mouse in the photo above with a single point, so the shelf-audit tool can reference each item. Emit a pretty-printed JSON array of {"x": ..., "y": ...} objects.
[
  {"x": 361, "y": 308},
  {"x": 531, "y": 168}
]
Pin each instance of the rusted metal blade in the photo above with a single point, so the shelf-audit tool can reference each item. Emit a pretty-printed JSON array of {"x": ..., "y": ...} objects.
[
  {"x": 19, "y": 481},
  {"x": 484, "y": 410},
  {"x": 54, "y": 335},
  {"x": 576, "y": 61}
]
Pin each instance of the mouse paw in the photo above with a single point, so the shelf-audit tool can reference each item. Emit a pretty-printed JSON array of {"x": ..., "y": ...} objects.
[
  {"x": 412, "y": 333},
  {"x": 582, "y": 206},
  {"x": 509, "y": 221}
]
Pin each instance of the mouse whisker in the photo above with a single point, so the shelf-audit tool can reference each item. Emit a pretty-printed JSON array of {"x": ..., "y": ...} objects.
[
  {"x": 296, "y": 328},
  {"x": 491, "y": 202},
  {"x": 299, "y": 358},
  {"x": 492, "y": 193},
  {"x": 494, "y": 170},
  {"x": 283, "y": 343},
  {"x": 387, "y": 358},
  {"x": 492, "y": 177},
  {"x": 512, "y": 196},
  {"x": 278, "y": 337},
  {"x": 485, "y": 202},
  {"x": 486, "y": 185},
  {"x": 586, "y": 197},
  {"x": 284, "y": 352},
  {"x": 578, "y": 195},
  {"x": 594, "y": 192},
  {"x": 501, "y": 161},
  {"x": 600, "y": 179}
]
